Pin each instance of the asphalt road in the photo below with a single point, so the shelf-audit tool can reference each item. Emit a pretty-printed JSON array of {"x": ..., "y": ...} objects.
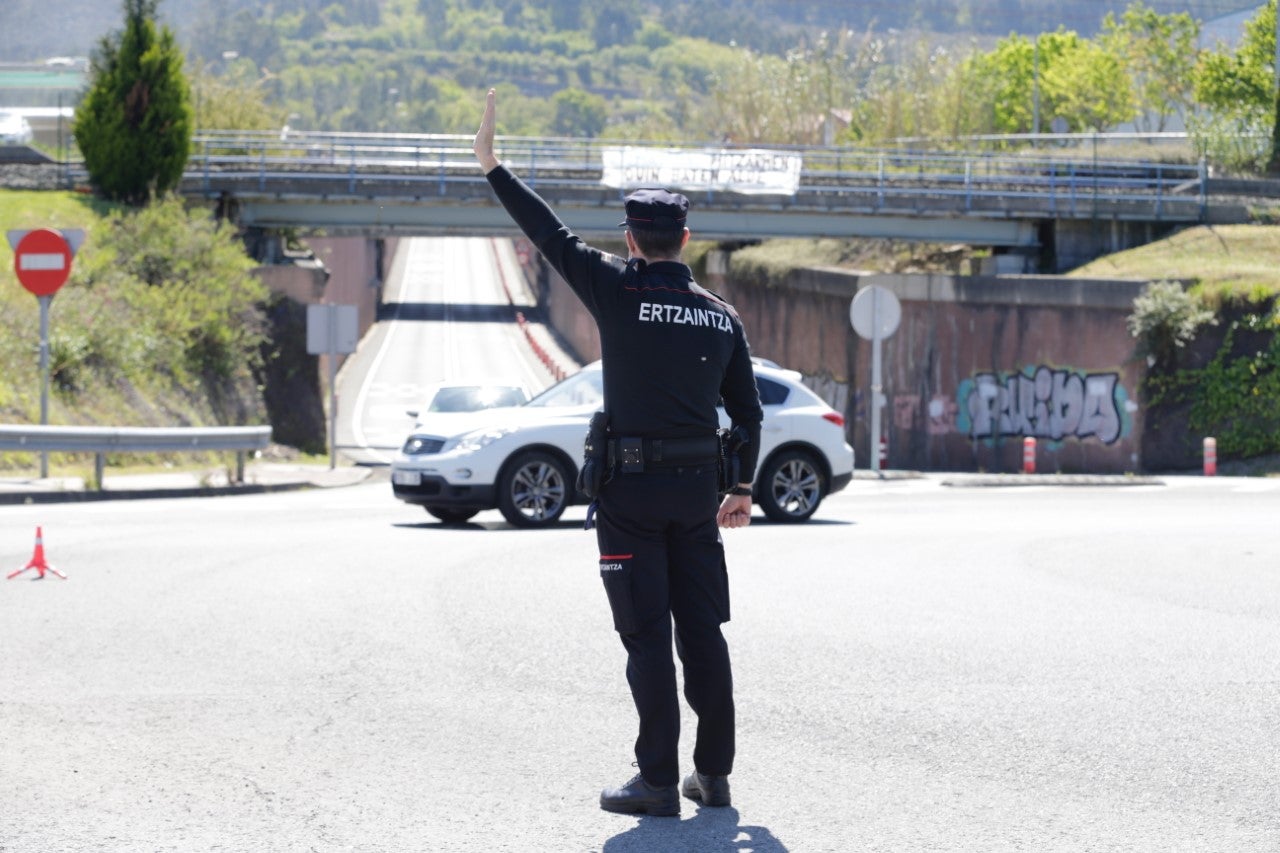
[
  {"x": 921, "y": 668},
  {"x": 450, "y": 318}
]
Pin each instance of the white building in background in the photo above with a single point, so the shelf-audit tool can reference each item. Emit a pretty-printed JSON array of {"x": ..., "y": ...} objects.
[{"x": 1227, "y": 30}]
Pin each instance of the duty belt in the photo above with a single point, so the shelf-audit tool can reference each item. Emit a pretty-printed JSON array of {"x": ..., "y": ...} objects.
[{"x": 633, "y": 454}]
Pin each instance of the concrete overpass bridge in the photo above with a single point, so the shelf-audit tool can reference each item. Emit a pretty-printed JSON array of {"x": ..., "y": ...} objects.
[{"x": 1049, "y": 209}]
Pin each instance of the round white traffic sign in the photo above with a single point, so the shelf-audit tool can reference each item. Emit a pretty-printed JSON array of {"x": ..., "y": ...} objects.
[{"x": 875, "y": 312}]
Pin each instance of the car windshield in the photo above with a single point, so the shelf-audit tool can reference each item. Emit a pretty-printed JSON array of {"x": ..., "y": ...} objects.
[
  {"x": 471, "y": 398},
  {"x": 585, "y": 388}
]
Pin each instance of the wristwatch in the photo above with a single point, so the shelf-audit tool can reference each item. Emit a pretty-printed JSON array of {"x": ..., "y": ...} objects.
[{"x": 744, "y": 491}]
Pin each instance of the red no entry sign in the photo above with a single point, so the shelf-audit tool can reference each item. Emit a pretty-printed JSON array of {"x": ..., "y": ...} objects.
[{"x": 42, "y": 260}]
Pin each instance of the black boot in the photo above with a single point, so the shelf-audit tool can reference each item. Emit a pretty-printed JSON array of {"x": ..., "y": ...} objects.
[
  {"x": 639, "y": 797},
  {"x": 708, "y": 790}
]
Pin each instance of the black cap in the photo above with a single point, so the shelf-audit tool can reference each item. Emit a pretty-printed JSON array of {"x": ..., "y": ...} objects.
[{"x": 655, "y": 210}]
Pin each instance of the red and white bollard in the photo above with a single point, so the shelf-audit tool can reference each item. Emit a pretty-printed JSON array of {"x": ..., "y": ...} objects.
[
  {"x": 1029, "y": 455},
  {"x": 1210, "y": 457},
  {"x": 884, "y": 450}
]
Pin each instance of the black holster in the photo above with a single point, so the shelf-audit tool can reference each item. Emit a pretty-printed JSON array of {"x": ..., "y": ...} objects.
[
  {"x": 731, "y": 441},
  {"x": 595, "y": 457}
]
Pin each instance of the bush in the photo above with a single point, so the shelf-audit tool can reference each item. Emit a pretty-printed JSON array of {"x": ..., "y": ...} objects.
[
  {"x": 1231, "y": 392},
  {"x": 1237, "y": 399},
  {"x": 183, "y": 287},
  {"x": 1233, "y": 145},
  {"x": 1164, "y": 320}
]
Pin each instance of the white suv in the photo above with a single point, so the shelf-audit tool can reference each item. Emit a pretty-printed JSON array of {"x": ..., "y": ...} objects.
[{"x": 524, "y": 460}]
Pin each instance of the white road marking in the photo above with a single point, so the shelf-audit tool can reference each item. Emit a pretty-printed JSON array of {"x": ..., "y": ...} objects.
[
  {"x": 451, "y": 264},
  {"x": 357, "y": 419}
]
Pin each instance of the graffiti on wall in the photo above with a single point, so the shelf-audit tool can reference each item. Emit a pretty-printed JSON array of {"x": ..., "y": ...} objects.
[
  {"x": 1045, "y": 402},
  {"x": 941, "y": 414}
]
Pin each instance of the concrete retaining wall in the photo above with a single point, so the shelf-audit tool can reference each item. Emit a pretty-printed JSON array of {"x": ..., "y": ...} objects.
[
  {"x": 977, "y": 363},
  {"x": 344, "y": 271}
]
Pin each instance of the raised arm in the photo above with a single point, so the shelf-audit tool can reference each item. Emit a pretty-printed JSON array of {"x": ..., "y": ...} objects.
[{"x": 483, "y": 145}]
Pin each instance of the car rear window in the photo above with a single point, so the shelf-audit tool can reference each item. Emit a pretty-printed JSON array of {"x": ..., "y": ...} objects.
[{"x": 772, "y": 393}]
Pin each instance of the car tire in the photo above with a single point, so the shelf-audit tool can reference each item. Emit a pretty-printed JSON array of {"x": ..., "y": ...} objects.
[
  {"x": 450, "y": 515},
  {"x": 792, "y": 487},
  {"x": 534, "y": 489}
]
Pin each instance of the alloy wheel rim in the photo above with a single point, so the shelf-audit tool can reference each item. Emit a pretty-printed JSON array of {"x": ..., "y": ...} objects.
[
  {"x": 795, "y": 487},
  {"x": 538, "y": 491}
]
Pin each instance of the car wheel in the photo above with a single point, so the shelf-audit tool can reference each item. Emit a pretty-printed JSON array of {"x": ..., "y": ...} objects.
[
  {"x": 451, "y": 516},
  {"x": 791, "y": 488},
  {"x": 533, "y": 490}
]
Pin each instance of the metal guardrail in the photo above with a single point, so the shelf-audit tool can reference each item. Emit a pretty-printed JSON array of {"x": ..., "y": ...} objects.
[
  {"x": 102, "y": 440},
  {"x": 979, "y": 184}
]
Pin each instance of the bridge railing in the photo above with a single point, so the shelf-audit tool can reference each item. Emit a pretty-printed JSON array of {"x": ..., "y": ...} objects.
[{"x": 414, "y": 160}]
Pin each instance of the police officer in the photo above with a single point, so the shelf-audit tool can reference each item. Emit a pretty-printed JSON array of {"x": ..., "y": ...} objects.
[{"x": 670, "y": 350}]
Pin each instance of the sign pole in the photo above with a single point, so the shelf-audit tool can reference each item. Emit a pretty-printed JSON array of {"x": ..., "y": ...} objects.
[
  {"x": 875, "y": 313},
  {"x": 44, "y": 377},
  {"x": 331, "y": 315},
  {"x": 42, "y": 262},
  {"x": 875, "y": 380}
]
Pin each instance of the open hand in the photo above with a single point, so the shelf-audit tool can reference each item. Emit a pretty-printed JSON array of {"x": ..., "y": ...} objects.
[{"x": 483, "y": 145}]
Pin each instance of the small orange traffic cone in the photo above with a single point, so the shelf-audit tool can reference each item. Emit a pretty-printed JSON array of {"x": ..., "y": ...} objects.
[{"x": 37, "y": 561}]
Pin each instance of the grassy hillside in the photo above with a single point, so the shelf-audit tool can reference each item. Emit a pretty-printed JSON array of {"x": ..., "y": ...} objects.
[
  {"x": 19, "y": 310},
  {"x": 1223, "y": 261},
  {"x": 159, "y": 325}
]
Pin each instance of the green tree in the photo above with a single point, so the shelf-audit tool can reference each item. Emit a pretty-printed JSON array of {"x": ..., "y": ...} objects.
[
  {"x": 1159, "y": 54},
  {"x": 922, "y": 94},
  {"x": 231, "y": 102},
  {"x": 1005, "y": 79},
  {"x": 1239, "y": 88},
  {"x": 758, "y": 97},
  {"x": 1079, "y": 82},
  {"x": 566, "y": 14},
  {"x": 578, "y": 113},
  {"x": 1087, "y": 86},
  {"x": 134, "y": 126},
  {"x": 615, "y": 22}
]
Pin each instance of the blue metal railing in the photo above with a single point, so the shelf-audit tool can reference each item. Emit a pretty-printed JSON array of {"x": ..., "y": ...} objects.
[{"x": 973, "y": 181}]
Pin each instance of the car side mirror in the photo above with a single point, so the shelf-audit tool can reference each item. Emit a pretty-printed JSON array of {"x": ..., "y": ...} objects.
[{"x": 413, "y": 413}]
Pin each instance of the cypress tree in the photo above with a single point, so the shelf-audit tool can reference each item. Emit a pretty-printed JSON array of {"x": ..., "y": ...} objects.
[{"x": 134, "y": 125}]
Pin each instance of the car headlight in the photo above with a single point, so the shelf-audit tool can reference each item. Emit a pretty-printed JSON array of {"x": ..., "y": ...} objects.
[
  {"x": 418, "y": 445},
  {"x": 473, "y": 441}
]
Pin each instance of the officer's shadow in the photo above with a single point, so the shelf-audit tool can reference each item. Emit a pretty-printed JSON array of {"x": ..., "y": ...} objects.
[{"x": 709, "y": 831}]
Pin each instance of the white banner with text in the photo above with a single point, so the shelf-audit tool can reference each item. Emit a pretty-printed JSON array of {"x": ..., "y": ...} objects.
[{"x": 752, "y": 171}]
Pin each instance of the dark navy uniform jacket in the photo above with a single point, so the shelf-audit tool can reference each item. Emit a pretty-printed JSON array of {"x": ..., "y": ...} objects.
[{"x": 671, "y": 349}]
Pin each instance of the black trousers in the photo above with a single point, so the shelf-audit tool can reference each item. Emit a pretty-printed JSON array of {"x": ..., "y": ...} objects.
[{"x": 662, "y": 560}]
